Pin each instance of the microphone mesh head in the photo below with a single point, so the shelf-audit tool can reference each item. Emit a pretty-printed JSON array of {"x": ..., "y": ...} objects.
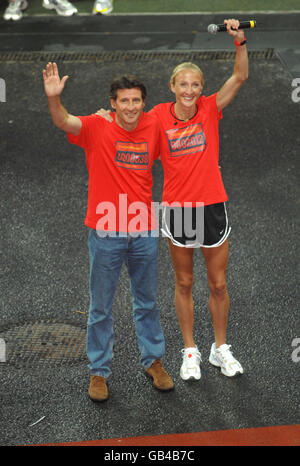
[{"x": 212, "y": 29}]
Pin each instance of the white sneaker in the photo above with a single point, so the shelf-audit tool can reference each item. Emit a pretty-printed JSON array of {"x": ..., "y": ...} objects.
[
  {"x": 222, "y": 357},
  {"x": 190, "y": 368},
  {"x": 62, "y": 7},
  {"x": 14, "y": 10},
  {"x": 103, "y": 7}
]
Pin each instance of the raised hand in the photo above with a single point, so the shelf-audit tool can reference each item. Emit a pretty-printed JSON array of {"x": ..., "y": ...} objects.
[
  {"x": 232, "y": 28},
  {"x": 53, "y": 85}
]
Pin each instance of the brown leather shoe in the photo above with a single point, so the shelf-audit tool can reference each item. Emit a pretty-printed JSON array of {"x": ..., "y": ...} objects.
[
  {"x": 161, "y": 378},
  {"x": 98, "y": 390}
]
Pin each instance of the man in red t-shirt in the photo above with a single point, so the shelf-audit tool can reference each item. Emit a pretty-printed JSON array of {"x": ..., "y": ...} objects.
[{"x": 119, "y": 159}]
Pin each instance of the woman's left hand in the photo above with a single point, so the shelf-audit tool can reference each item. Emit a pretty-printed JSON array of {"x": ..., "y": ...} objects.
[{"x": 232, "y": 29}]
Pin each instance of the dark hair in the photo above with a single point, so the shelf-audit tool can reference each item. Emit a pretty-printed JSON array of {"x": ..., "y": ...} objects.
[{"x": 127, "y": 82}]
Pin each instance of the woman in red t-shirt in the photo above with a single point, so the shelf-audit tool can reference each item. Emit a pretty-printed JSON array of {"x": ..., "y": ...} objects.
[
  {"x": 192, "y": 180},
  {"x": 194, "y": 212}
]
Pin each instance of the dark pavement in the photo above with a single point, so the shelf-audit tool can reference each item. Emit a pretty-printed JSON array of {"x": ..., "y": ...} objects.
[
  {"x": 44, "y": 256},
  {"x": 150, "y": 32}
]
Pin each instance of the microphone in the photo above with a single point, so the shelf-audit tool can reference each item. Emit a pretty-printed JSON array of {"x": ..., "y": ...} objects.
[{"x": 214, "y": 28}]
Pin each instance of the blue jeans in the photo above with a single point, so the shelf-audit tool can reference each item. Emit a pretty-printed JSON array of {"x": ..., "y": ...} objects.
[{"x": 107, "y": 255}]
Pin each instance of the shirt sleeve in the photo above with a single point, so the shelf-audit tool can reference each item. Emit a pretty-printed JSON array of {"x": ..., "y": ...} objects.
[
  {"x": 85, "y": 138},
  {"x": 153, "y": 112},
  {"x": 211, "y": 100},
  {"x": 157, "y": 146}
]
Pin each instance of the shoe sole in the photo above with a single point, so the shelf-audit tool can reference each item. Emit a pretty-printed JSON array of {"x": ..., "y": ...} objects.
[
  {"x": 98, "y": 400},
  {"x": 12, "y": 18},
  {"x": 190, "y": 377},
  {"x": 102, "y": 12}
]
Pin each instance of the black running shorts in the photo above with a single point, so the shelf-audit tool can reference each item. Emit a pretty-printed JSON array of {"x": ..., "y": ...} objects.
[{"x": 196, "y": 227}]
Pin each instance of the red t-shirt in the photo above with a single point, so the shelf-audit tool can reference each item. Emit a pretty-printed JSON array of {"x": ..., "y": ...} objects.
[
  {"x": 119, "y": 163},
  {"x": 190, "y": 154}
]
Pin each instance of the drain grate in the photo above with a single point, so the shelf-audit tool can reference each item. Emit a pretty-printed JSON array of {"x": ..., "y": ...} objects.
[
  {"x": 90, "y": 57},
  {"x": 53, "y": 343}
]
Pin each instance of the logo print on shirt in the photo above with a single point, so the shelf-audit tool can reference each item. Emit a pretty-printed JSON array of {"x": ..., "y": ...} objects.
[
  {"x": 132, "y": 155},
  {"x": 187, "y": 140}
]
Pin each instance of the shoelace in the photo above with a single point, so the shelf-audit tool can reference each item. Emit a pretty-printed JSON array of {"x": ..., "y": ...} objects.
[
  {"x": 226, "y": 355},
  {"x": 196, "y": 353}
]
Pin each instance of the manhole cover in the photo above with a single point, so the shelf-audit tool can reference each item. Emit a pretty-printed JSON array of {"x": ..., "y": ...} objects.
[{"x": 53, "y": 343}]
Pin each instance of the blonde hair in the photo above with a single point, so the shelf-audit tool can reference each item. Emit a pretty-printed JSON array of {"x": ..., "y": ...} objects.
[{"x": 185, "y": 66}]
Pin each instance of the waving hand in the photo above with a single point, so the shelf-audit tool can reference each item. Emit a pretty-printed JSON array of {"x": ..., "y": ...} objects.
[{"x": 53, "y": 85}]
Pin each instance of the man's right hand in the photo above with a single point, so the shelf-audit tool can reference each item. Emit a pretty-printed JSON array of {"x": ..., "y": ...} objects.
[{"x": 53, "y": 85}]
